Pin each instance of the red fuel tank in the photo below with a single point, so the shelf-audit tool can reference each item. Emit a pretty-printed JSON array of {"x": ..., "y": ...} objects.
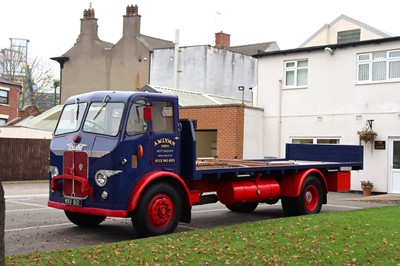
[{"x": 248, "y": 191}]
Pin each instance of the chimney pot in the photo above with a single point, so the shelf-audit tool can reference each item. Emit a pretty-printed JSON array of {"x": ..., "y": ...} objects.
[{"x": 91, "y": 13}]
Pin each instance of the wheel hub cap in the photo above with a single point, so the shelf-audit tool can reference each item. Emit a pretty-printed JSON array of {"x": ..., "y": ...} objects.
[
  {"x": 160, "y": 211},
  {"x": 309, "y": 197}
]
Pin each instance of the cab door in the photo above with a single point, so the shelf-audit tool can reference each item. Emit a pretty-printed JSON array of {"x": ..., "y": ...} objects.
[
  {"x": 165, "y": 135},
  {"x": 136, "y": 147}
]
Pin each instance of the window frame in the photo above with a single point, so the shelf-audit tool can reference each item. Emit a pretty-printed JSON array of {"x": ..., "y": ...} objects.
[
  {"x": 315, "y": 140},
  {"x": 7, "y": 97},
  {"x": 370, "y": 63},
  {"x": 295, "y": 69}
]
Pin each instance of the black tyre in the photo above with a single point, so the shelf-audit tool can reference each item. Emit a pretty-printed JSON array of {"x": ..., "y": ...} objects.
[
  {"x": 309, "y": 201},
  {"x": 243, "y": 207},
  {"x": 272, "y": 202},
  {"x": 82, "y": 219},
  {"x": 158, "y": 211}
]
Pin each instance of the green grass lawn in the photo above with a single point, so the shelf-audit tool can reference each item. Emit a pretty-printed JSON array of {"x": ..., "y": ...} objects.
[{"x": 362, "y": 237}]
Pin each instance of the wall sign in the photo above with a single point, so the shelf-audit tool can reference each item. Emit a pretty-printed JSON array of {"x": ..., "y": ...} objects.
[{"x": 380, "y": 145}]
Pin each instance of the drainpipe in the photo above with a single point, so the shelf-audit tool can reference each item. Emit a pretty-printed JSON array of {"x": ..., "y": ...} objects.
[
  {"x": 176, "y": 60},
  {"x": 280, "y": 119}
]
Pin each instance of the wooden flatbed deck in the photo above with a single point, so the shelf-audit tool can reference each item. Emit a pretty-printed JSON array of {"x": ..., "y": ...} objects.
[{"x": 212, "y": 163}]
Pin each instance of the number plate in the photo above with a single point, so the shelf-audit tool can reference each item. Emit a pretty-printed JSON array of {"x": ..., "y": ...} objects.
[{"x": 72, "y": 201}]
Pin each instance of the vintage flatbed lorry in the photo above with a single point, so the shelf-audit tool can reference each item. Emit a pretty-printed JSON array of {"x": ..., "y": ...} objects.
[{"x": 127, "y": 154}]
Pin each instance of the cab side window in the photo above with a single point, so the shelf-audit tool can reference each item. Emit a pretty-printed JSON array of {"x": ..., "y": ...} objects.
[
  {"x": 136, "y": 123},
  {"x": 163, "y": 116}
]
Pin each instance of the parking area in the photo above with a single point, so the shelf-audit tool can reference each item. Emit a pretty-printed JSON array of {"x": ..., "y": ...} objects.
[{"x": 32, "y": 226}]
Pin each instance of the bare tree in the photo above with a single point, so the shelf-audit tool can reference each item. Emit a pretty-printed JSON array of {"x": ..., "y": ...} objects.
[
  {"x": 2, "y": 225},
  {"x": 44, "y": 83},
  {"x": 35, "y": 75}
]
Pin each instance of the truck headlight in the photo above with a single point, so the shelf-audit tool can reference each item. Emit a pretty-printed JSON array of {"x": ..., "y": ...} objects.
[
  {"x": 53, "y": 171},
  {"x": 101, "y": 179}
]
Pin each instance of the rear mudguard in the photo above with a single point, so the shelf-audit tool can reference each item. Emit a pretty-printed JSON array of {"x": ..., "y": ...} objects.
[{"x": 291, "y": 184}]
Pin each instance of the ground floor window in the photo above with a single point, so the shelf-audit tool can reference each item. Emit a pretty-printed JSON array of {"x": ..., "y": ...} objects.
[
  {"x": 315, "y": 140},
  {"x": 3, "y": 121}
]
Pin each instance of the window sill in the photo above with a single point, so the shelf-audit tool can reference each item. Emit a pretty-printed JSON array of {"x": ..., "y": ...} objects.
[
  {"x": 378, "y": 82},
  {"x": 295, "y": 88},
  {"x": 4, "y": 104}
]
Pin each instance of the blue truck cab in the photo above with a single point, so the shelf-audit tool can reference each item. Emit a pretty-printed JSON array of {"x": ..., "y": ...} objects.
[{"x": 104, "y": 144}]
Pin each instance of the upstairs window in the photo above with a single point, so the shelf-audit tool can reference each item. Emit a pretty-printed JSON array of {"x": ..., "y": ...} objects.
[
  {"x": 296, "y": 73},
  {"x": 3, "y": 121},
  {"x": 3, "y": 97},
  {"x": 378, "y": 66}
]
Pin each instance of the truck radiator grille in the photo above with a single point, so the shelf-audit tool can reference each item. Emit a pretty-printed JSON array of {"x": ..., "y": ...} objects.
[{"x": 75, "y": 164}]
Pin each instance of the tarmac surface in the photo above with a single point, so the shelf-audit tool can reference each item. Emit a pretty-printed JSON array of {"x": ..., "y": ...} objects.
[
  {"x": 41, "y": 188},
  {"x": 33, "y": 226}
]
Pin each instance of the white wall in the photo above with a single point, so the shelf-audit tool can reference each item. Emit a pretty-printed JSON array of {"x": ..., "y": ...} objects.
[
  {"x": 332, "y": 105},
  {"x": 24, "y": 133},
  {"x": 205, "y": 69},
  {"x": 253, "y": 133}
]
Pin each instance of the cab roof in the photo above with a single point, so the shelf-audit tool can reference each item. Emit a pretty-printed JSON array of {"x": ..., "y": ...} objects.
[{"x": 116, "y": 96}]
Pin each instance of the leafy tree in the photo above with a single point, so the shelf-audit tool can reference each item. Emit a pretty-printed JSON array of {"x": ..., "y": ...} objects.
[{"x": 35, "y": 75}]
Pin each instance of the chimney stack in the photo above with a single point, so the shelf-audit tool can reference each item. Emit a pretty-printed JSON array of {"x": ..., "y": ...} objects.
[
  {"x": 222, "y": 40},
  {"x": 88, "y": 26},
  {"x": 131, "y": 26}
]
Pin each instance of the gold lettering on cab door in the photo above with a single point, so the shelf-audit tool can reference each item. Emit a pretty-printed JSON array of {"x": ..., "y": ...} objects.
[{"x": 164, "y": 151}]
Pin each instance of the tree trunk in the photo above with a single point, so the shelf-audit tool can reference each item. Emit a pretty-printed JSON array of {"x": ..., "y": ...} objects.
[{"x": 2, "y": 223}]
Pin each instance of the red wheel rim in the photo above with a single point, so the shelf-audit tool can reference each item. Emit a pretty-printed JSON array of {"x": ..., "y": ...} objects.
[
  {"x": 161, "y": 211},
  {"x": 311, "y": 198}
]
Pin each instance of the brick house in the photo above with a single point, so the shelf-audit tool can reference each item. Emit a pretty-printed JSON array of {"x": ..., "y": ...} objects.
[{"x": 9, "y": 92}]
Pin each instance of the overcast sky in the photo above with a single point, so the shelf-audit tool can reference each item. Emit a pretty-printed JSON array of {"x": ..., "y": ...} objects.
[{"x": 52, "y": 26}]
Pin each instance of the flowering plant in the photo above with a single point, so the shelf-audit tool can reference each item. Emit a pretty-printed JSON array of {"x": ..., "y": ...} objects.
[
  {"x": 367, "y": 135},
  {"x": 366, "y": 183}
]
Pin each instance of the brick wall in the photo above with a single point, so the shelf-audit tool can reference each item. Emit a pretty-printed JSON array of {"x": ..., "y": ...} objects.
[{"x": 227, "y": 120}]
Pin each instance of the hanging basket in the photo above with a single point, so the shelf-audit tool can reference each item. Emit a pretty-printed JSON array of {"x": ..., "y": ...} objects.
[{"x": 367, "y": 135}]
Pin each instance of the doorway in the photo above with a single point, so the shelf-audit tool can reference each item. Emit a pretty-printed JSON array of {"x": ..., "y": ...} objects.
[
  {"x": 394, "y": 166},
  {"x": 206, "y": 143}
]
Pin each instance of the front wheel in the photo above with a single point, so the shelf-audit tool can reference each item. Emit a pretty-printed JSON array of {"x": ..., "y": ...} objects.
[
  {"x": 308, "y": 202},
  {"x": 85, "y": 220},
  {"x": 158, "y": 211}
]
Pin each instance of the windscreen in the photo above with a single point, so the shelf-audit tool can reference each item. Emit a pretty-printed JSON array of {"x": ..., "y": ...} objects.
[
  {"x": 71, "y": 118},
  {"x": 104, "y": 118}
]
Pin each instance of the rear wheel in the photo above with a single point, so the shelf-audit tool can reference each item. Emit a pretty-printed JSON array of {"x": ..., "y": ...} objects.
[
  {"x": 158, "y": 211},
  {"x": 82, "y": 219},
  {"x": 308, "y": 202},
  {"x": 242, "y": 207}
]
